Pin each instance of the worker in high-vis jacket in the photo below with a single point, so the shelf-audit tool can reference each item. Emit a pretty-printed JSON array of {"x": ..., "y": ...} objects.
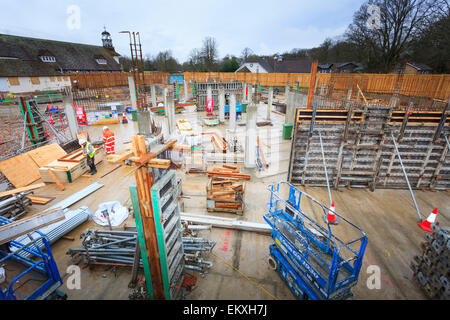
[
  {"x": 89, "y": 151},
  {"x": 109, "y": 140}
]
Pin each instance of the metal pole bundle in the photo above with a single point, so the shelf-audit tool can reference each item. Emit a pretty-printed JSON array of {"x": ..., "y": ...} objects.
[
  {"x": 431, "y": 267},
  {"x": 15, "y": 206}
]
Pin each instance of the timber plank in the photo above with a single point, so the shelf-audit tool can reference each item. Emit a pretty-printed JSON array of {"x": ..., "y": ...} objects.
[
  {"x": 46, "y": 154},
  {"x": 58, "y": 183},
  {"x": 23, "y": 189},
  {"x": 20, "y": 170}
]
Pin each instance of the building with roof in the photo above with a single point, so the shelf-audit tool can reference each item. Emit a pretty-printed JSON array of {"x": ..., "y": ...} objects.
[
  {"x": 255, "y": 66},
  {"x": 325, "y": 68},
  {"x": 30, "y": 64},
  {"x": 293, "y": 65},
  {"x": 346, "y": 67},
  {"x": 408, "y": 67}
]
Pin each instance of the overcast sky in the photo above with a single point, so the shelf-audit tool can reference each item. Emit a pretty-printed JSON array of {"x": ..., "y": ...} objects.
[{"x": 264, "y": 26}]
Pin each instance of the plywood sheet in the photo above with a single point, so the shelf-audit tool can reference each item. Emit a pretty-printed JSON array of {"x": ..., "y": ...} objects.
[
  {"x": 46, "y": 154},
  {"x": 20, "y": 170}
]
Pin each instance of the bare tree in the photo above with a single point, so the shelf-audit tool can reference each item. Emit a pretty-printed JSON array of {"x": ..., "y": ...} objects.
[
  {"x": 195, "y": 60},
  {"x": 209, "y": 53},
  {"x": 246, "y": 53},
  {"x": 432, "y": 45},
  {"x": 165, "y": 62},
  {"x": 385, "y": 37}
]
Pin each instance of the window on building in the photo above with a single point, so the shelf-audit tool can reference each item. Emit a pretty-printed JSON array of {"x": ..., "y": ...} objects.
[
  {"x": 48, "y": 59},
  {"x": 101, "y": 61}
]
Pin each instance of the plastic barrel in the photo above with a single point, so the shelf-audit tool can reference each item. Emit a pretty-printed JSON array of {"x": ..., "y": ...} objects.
[
  {"x": 287, "y": 130},
  {"x": 134, "y": 115}
]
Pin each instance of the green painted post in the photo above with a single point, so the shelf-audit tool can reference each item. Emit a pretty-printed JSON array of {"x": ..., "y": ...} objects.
[
  {"x": 259, "y": 93},
  {"x": 142, "y": 245},
  {"x": 161, "y": 244}
]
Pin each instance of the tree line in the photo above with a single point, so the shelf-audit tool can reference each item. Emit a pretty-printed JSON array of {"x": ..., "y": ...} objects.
[{"x": 383, "y": 34}]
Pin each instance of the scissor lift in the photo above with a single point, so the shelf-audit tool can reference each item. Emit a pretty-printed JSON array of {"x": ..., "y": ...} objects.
[
  {"x": 39, "y": 265},
  {"x": 315, "y": 263}
]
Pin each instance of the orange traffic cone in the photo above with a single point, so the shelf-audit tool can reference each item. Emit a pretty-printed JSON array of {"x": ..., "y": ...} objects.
[
  {"x": 124, "y": 119},
  {"x": 425, "y": 225},
  {"x": 331, "y": 217}
]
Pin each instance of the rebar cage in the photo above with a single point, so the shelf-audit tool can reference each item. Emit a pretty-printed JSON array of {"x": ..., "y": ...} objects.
[{"x": 323, "y": 265}]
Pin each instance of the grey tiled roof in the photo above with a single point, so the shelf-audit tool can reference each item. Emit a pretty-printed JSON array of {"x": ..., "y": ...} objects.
[
  {"x": 301, "y": 65},
  {"x": 420, "y": 66},
  {"x": 69, "y": 57}
]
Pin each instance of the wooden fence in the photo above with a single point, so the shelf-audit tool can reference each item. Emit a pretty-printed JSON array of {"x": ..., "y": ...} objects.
[
  {"x": 114, "y": 79},
  {"x": 428, "y": 86}
]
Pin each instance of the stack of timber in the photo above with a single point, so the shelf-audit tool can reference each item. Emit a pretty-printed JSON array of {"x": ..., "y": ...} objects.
[
  {"x": 23, "y": 169},
  {"x": 160, "y": 110},
  {"x": 224, "y": 173},
  {"x": 225, "y": 194},
  {"x": 260, "y": 158},
  {"x": 431, "y": 268},
  {"x": 69, "y": 167},
  {"x": 184, "y": 126},
  {"x": 219, "y": 144}
]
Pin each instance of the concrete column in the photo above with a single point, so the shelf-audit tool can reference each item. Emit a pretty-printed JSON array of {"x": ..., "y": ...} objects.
[
  {"x": 222, "y": 105},
  {"x": 250, "y": 94},
  {"x": 171, "y": 114},
  {"x": 132, "y": 88},
  {"x": 209, "y": 98},
  {"x": 232, "y": 122},
  {"x": 286, "y": 90},
  {"x": 349, "y": 93},
  {"x": 154, "y": 95},
  {"x": 71, "y": 117},
  {"x": 250, "y": 137},
  {"x": 290, "y": 108},
  {"x": 165, "y": 103},
  {"x": 270, "y": 103},
  {"x": 322, "y": 89},
  {"x": 244, "y": 95},
  {"x": 185, "y": 85}
]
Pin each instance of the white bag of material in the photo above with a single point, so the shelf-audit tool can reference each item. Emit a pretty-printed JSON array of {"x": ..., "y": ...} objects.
[{"x": 117, "y": 214}]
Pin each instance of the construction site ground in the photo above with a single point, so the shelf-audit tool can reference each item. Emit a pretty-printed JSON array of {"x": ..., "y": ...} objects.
[{"x": 387, "y": 217}]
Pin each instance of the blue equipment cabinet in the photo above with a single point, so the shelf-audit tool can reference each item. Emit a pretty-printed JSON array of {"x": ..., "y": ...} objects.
[
  {"x": 36, "y": 262},
  {"x": 238, "y": 109},
  {"x": 315, "y": 263}
]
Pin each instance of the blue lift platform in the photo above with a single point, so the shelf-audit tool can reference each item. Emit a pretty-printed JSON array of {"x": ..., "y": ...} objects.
[
  {"x": 312, "y": 260},
  {"x": 38, "y": 265}
]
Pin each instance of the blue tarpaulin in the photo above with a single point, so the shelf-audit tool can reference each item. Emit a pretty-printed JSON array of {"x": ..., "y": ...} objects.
[{"x": 178, "y": 79}]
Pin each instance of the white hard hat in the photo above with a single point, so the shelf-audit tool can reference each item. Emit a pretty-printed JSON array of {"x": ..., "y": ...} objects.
[
  {"x": 81, "y": 142},
  {"x": 104, "y": 128}
]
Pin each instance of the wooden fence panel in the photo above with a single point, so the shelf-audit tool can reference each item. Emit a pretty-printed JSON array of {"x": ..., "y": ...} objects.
[{"x": 429, "y": 86}]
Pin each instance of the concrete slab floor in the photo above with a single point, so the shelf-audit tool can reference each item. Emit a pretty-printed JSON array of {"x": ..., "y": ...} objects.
[{"x": 386, "y": 216}]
